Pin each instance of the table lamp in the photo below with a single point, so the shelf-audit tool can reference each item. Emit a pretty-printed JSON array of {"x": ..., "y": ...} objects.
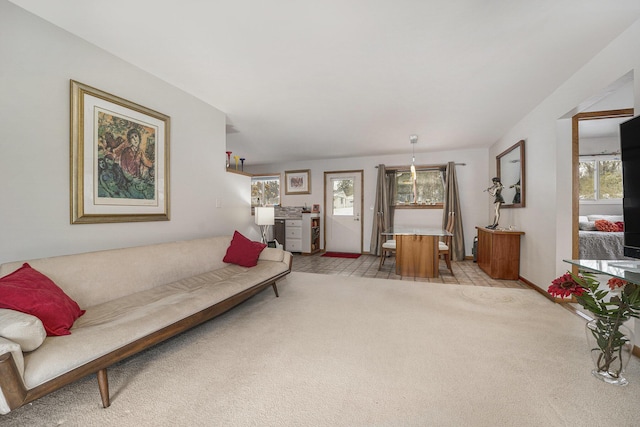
[{"x": 264, "y": 217}]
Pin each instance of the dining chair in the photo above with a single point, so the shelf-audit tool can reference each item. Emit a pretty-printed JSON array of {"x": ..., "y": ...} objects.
[
  {"x": 444, "y": 246},
  {"x": 388, "y": 244}
]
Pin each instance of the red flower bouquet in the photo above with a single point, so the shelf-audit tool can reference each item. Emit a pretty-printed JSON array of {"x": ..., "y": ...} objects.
[{"x": 610, "y": 347}]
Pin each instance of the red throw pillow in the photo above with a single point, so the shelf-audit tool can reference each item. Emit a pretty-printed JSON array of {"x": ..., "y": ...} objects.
[
  {"x": 29, "y": 291},
  {"x": 620, "y": 225},
  {"x": 604, "y": 225},
  {"x": 243, "y": 251}
]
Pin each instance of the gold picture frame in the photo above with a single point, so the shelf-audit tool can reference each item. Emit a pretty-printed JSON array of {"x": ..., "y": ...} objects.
[
  {"x": 119, "y": 159},
  {"x": 297, "y": 182}
]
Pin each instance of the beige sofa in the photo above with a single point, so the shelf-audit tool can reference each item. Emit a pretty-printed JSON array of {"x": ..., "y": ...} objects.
[{"x": 134, "y": 298}]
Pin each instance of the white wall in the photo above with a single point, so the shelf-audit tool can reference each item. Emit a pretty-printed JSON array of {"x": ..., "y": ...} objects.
[
  {"x": 38, "y": 60},
  {"x": 473, "y": 201},
  {"x": 547, "y": 131}
]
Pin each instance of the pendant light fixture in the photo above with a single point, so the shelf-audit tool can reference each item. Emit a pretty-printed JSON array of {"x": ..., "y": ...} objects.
[{"x": 413, "y": 139}]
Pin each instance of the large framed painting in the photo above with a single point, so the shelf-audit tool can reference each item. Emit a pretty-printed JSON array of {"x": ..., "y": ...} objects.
[
  {"x": 297, "y": 182},
  {"x": 119, "y": 159}
]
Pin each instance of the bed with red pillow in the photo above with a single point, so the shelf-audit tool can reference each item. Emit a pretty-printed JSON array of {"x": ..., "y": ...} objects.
[{"x": 601, "y": 237}]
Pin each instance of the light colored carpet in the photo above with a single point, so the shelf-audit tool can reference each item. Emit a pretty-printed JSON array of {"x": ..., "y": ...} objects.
[{"x": 349, "y": 351}]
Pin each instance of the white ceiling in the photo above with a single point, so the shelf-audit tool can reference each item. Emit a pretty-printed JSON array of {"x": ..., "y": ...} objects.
[
  {"x": 308, "y": 79},
  {"x": 603, "y": 128}
]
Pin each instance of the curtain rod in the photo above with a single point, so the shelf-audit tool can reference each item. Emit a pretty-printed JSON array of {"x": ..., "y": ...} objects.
[
  {"x": 600, "y": 154},
  {"x": 457, "y": 164}
]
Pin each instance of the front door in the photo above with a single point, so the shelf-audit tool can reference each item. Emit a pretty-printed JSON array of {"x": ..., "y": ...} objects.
[{"x": 343, "y": 211}]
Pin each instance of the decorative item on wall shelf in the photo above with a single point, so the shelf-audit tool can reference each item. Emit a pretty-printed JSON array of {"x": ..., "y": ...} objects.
[
  {"x": 610, "y": 341},
  {"x": 236, "y": 158},
  {"x": 119, "y": 159},
  {"x": 297, "y": 182},
  {"x": 228, "y": 158},
  {"x": 242, "y": 163}
]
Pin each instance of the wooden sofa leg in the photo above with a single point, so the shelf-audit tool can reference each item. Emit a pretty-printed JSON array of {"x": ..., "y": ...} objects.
[
  {"x": 14, "y": 390},
  {"x": 275, "y": 288},
  {"x": 103, "y": 384}
]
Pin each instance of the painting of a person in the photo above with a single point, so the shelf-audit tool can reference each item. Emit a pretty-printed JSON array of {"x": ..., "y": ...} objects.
[
  {"x": 131, "y": 154},
  {"x": 496, "y": 192}
]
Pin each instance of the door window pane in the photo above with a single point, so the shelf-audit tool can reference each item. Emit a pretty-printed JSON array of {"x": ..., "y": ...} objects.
[{"x": 342, "y": 196}]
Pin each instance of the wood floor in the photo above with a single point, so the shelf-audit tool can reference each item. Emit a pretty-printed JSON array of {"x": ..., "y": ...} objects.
[{"x": 465, "y": 272}]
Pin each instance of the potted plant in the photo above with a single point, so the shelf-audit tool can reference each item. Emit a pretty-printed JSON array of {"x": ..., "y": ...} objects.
[{"x": 610, "y": 341}]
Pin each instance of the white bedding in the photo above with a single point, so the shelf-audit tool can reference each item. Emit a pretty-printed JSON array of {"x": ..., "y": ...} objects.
[{"x": 601, "y": 245}]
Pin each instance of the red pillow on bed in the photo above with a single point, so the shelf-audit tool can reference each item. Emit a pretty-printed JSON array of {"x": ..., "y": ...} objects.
[
  {"x": 29, "y": 291},
  {"x": 243, "y": 251},
  {"x": 604, "y": 225}
]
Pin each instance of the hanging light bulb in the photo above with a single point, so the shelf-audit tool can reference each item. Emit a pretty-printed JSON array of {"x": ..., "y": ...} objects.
[{"x": 413, "y": 139}]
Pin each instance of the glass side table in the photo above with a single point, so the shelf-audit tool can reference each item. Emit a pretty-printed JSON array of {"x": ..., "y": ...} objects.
[{"x": 628, "y": 270}]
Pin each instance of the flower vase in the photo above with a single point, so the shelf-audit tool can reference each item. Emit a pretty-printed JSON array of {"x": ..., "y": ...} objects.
[{"x": 610, "y": 344}]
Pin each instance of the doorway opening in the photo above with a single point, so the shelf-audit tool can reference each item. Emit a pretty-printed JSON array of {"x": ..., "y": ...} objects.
[
  {"x": 343, "y": 193},
  {"x": 614, "y": 117}
]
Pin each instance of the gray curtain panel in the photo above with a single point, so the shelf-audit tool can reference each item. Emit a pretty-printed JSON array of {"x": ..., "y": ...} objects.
[
  {"x": 382, "y": 207},
  {"x": 452, "y": 204}
]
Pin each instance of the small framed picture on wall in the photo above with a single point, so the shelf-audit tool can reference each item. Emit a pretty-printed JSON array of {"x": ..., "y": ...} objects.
[{"x": 297, "y": 182}]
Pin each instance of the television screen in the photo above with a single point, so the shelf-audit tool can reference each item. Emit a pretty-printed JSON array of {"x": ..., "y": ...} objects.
[{"x": 630, "y": 148}]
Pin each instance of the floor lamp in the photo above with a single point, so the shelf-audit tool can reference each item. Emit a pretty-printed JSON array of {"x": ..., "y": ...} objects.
[{"x": 265, "y": 216}]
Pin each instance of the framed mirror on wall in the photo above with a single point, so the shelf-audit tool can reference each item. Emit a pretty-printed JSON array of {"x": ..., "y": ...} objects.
[{"x": 510, "y": 170}]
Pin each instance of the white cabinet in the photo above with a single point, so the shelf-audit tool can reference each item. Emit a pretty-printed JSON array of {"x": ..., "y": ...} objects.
[
  {"x": 303, "y": 235},
  {"x": 293, "y": 233}
]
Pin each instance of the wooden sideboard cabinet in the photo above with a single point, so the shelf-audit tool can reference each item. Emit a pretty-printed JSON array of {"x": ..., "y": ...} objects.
[{"x": 499, "y": 253}]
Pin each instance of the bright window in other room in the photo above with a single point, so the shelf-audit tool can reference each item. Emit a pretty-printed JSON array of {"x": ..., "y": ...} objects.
[
  {"x": 600, "y": 179},
  {"x": 429, "y": 187},
  {"x": 265, "y": 190}
]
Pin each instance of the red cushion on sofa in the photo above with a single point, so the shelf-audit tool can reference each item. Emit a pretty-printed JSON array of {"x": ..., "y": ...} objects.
[
  {"x": 29, "y": 291},
  {"x": 243, "y": 251}
]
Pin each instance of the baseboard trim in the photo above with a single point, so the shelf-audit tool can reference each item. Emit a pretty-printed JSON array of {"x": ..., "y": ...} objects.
[{"x": 537, "y": 289}]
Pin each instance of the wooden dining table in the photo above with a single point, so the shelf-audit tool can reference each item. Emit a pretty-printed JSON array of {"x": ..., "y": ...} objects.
[{"x": 417, "y": 250}]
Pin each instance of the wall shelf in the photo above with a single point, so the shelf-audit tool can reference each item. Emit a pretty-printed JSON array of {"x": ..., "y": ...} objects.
[{"x": 239, "y": 172}]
